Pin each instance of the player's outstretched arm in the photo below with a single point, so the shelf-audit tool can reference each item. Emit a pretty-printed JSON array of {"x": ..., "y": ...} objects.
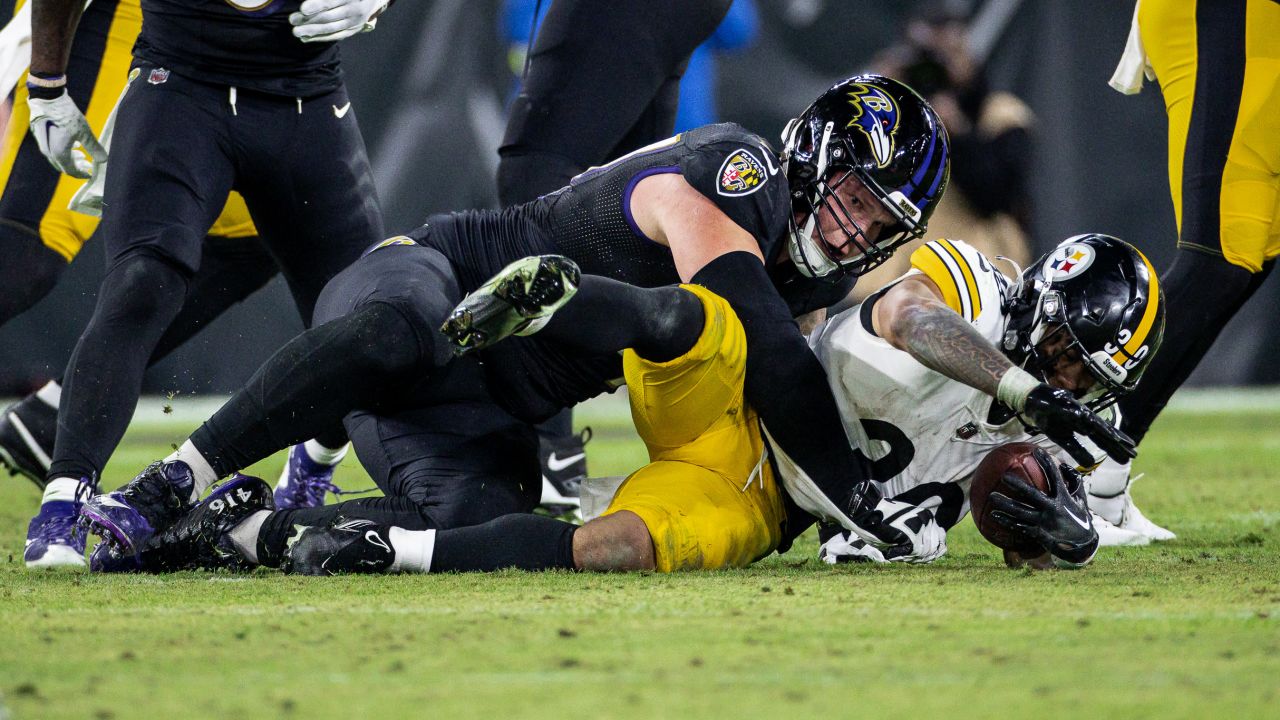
[{"x": 913, "y": 317}]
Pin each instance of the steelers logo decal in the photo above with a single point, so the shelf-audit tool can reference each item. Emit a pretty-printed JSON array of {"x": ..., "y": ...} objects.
[
  {"x": 741, "y": 174},
  {"x": 1068, "y": 261}
]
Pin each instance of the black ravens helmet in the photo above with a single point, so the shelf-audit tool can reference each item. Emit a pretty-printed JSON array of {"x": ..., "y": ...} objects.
[
  {"x": 884, "y": 134},
  {"x": 1104, "y": 294}
]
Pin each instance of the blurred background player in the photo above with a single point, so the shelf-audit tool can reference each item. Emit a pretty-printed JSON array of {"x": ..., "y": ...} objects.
[
  {"x": 1218, "y": 65},
  {"x": 202, "y": 114},
  {"x": 989, "y": 201},
  {"x": 601, "y": 80}
]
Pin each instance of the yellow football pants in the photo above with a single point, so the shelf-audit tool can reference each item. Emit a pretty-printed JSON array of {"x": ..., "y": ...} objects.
[
  {"x": 707, "y": 496},
  {"x": 1219, "y": 70}
]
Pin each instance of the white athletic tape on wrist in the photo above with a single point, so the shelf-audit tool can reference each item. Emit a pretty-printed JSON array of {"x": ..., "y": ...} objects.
[{"x": 1014, "y": 387}]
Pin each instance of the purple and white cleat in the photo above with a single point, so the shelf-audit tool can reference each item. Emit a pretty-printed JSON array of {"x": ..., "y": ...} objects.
[
  {"x": 304, "y": 482},
  {"x": 150, "y": 503},
  {"x": 54, "y": 539}
]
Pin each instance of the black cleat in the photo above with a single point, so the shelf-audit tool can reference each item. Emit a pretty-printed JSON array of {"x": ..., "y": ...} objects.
[
  {"x": 27, "y": 429},
  {"x": 345, "y": 546},
  {"x": 564, "y": 468},
  {"x": 519, "y": 300},
  {"x": 199, "y": 540},
  {"x": 149, "y": 504}
]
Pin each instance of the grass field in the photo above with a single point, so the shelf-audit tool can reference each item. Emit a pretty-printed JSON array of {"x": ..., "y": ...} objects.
[{"x": 1190, "y": 628}]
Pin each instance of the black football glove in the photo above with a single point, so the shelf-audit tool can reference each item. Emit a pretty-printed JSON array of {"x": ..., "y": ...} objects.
[
  {"x": 1059, "y": 415},
  {"x": 1059, "y": 520}
]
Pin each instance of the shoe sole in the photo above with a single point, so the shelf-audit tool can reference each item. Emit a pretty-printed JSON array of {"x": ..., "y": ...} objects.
[
  {"x": 527, "y": 293},
  {"x": 58, "y": 557},
  {"x": 102, "y": 526}
]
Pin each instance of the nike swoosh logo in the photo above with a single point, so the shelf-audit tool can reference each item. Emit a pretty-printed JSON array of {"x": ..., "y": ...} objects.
[
  {"x": 340, "y": 112},
  {"x": 557, "y": 464},
  {"x": 1082, "y": 523}
]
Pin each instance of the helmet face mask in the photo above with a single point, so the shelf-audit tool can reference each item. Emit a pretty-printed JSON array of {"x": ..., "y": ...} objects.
[
  {"x": 877, "y": 131},
  {"x": 1102, "y": 293}
]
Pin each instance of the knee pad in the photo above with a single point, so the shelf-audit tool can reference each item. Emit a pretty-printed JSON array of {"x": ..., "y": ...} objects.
[{"x": 142, "y": 288}]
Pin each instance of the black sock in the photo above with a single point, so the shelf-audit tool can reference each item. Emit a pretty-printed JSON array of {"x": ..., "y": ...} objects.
[
  {"x": 1202, "y": 292},
  {"x": 606, "y": 316},
  {"x": 526, "y": 542}
]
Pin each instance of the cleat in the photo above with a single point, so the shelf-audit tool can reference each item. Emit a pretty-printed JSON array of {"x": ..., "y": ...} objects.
[
  {"x": 564, "y": 468},
  {"x": 200, "y": 539},
  {"x": 519, "y": 300},
  {"x": 27, "y": 429},
  {"x": 1110, "y": 535},
  {"x": 345, "y": 546},
  {"x": 304, "y": 482},
  {"x": 150, "y": 503},
  {"x": 1135, "y": 521},
  {"x": 54, "y": 537},
  {"x": 1109, "y": 498}
]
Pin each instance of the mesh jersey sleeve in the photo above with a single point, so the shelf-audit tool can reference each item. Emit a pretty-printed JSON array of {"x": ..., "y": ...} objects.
[
  {"x": 739, "y": 173},
  {"x": 969, "y": 284}
]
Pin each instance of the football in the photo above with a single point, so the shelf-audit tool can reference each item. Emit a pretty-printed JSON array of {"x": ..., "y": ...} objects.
[{"x": 989, "y": 477}]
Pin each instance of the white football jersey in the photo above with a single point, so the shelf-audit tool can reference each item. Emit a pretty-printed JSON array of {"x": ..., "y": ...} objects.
[{"x": 923, "y": 433}]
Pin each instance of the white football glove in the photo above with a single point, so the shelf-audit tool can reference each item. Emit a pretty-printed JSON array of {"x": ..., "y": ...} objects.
[
  {"x": 903, "y": 532},
  {"x": 844, "y": 547},
  {"x": 333, "y": 20},
  {"x": 58, "y": 127}
]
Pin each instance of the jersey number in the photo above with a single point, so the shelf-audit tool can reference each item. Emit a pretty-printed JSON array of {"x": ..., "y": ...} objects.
[{"x": 900, "y": 454}]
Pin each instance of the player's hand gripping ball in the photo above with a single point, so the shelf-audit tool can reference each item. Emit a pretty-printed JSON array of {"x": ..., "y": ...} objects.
[{"x": 1016, "y": 459}]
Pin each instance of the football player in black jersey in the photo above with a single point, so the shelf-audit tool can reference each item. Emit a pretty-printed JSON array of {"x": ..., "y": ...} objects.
[
  {"x": 556, "y": 130},
  {"x": 221, "y": 96},
  {"x": 448, "y": 440}
]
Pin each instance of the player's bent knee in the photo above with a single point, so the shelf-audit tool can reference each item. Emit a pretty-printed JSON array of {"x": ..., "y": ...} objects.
[{"x": 614, "y": 543}]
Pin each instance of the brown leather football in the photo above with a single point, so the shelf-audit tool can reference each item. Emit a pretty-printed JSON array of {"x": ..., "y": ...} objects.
[{"x": 1013, "y": 458}]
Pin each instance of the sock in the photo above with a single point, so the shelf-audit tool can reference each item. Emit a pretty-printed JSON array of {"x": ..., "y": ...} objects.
[
  {"x": 413, "y": 549},
  {"x": 525, "y": 542},
  {"x": 61, "y": 489},
  {"x": 200, "y": 468},
  {"x": 51, "y": 394},
  {"x": 244, "y": 537},
  {"x": 322, "y": 455}
]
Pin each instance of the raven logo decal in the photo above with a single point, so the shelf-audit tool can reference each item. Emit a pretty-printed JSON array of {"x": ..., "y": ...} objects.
[{"x": 876, "y": 114}]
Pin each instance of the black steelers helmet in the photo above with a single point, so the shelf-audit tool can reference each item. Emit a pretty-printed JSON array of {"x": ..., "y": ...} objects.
[
  {"x": 1104, "y": 294},
  {"x": 880, "y": 131}
]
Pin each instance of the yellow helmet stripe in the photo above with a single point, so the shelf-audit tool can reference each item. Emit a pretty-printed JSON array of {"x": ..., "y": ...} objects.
[{"x": 1148, "y": 316}]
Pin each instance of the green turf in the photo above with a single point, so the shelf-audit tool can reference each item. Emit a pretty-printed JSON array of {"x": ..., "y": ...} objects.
[{"x": 1184, "y": 629}]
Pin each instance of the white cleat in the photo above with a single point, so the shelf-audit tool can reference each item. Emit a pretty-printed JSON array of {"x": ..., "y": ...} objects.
[
  {"x": 1110, "y": 535},
  {"x": 1109, "y": 499},
  {"x": 1135, "y": 521}
]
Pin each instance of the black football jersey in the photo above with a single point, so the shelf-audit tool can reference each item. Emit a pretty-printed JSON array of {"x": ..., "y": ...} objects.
[
  {"x": 245, "y": 43},
  {"x": 590, "y": 219}
]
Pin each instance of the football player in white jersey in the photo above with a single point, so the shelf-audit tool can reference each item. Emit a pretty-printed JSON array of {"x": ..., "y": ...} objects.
[{"x": 922, "y": 373}]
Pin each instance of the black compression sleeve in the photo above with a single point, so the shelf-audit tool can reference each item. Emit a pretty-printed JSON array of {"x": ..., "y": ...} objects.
[{"x": 786, "y": 384}]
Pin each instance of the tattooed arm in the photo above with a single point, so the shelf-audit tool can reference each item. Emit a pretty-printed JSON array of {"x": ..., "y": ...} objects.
[{"x": 913, "y": 318}]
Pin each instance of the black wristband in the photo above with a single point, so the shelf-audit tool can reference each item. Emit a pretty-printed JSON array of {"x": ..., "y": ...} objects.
[{"x": 40, "y": 92}]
